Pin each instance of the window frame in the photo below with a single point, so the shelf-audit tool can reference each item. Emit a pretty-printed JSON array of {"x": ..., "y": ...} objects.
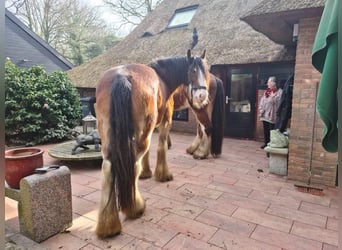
[
  {"x": 181, "y": 115},
  {"x": 179, "y": 11}
]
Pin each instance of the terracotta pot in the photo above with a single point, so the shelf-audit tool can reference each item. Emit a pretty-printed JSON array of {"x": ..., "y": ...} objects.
[{"x": 21, "y": 162}]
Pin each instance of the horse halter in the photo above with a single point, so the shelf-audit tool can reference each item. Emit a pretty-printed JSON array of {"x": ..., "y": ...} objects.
[{"x": 193, "y": 88}]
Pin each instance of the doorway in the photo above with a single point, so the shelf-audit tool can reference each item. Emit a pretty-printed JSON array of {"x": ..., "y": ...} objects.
[{"x": 240, "y": 103}]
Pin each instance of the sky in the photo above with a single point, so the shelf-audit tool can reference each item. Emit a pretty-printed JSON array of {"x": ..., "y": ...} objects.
[{"x": 110, "y": 17}]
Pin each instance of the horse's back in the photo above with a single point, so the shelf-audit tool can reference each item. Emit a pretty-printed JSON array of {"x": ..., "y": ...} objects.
[{"x": 143, "y": 84}]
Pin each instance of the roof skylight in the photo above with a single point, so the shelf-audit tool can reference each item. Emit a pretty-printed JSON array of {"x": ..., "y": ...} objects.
[{"x": 182, "y": 17}]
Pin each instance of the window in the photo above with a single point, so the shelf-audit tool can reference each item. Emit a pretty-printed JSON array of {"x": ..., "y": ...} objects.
[
  {"x": 182, "y": 17},
  {"x": 181, "y": 115}
]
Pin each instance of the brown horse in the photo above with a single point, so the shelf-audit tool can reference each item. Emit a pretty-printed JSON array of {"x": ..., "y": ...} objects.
[
  {"x": 210, "y": 120},
  {"x": 131, "y": 101}
]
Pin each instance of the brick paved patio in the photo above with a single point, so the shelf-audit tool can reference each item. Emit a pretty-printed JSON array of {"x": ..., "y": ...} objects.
[{"x": 227, "y": 203}]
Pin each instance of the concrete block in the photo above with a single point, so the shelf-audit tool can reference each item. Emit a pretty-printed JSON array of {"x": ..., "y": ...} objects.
[
  {"x": 277, "y": 160},
  {"x": 45, "y": 206}
]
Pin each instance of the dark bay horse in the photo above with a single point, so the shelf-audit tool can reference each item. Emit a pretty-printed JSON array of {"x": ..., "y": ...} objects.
[
  {"x": 132, "y": 100},
  {"x": 210, "y": 119}
]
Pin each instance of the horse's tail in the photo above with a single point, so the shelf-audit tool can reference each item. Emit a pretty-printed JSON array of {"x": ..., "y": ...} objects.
[
  {"x": 217, "y": 120},
  {"x": 121, "y": 148}
]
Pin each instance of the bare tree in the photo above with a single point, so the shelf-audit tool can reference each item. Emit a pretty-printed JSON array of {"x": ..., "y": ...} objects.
[
  {"x": 41, "y": 16},
  {"x": 131, "y": 12},
  {"x": 73, "y": 28}
]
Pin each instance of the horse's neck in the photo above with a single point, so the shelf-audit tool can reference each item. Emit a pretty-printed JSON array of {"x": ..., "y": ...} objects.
[
  {"x": 173, "y": 72},
  {"x": 180, "y": 98}
]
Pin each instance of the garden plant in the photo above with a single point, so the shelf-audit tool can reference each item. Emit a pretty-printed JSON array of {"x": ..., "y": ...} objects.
[{"x": 39, "y": 107}]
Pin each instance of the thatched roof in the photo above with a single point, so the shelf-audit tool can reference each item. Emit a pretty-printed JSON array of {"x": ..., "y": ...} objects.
[
  {"x": 226, "y": 38},
  {"x": 275, "y": 18}
]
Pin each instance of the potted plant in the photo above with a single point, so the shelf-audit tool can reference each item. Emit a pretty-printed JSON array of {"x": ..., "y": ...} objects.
[{"x": 21, "y": 162}]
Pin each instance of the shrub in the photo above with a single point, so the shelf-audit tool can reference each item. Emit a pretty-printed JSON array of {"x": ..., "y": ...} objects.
[{"x": 39, "y": 108}]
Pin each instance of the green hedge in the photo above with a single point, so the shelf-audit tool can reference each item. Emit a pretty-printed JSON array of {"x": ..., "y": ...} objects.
[{"x": 39, "y": 108}]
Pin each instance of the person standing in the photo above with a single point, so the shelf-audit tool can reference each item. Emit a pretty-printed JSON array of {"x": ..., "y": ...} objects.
[{"x": 268, "y": 107}]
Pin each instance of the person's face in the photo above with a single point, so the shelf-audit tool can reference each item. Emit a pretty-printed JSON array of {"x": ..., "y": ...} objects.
[{"x": 271, "y": 85}]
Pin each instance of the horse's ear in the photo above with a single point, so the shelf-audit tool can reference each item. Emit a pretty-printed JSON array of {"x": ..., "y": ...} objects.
[
  {"x": 189, "y": 54},
  {"x": 203, "y": 54}
]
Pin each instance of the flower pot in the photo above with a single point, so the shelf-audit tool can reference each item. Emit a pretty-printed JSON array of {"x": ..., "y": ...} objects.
[{"x": 21, "y": 162}]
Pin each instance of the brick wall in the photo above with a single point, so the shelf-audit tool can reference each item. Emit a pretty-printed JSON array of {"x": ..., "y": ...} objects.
[{"x": 305, "y": 151}]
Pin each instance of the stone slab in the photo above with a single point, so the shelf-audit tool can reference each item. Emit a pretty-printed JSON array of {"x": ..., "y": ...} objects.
[
  {"x": 281, "y": 151},
  {"x": 278, "y": 160},
  {"x": 45, "y": 206}
]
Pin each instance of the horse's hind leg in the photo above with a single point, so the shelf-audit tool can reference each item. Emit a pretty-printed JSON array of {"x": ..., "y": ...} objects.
[
  {"x": 142, "y": 147},
  {"x": 108, "y": 220}
]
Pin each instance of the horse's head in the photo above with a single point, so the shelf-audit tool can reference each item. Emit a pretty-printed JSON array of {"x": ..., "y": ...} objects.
[{"x": 198, "y": 78}]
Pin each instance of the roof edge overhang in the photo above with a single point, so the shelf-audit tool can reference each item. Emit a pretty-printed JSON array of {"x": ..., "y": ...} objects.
[{"x": 278, "y": 26}]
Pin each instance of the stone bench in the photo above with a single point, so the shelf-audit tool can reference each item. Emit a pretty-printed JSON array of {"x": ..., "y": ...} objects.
[
  {"x": 277, "y": 160},
  {"x": 44, "y": 203}
]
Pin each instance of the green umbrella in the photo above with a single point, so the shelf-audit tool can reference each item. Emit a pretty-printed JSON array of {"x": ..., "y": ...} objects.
[{"x": 324, "y": 59}]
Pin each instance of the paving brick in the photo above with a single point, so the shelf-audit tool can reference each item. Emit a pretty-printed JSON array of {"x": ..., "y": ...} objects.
[
  {"x": 275, "y": 199},
  {"x": 233, "y": 241},
  {"x": 256, "y": 185},
  {"x": 156, "y": 234},
  {"x": 179, "y": 208},
  {"x": 314, "y": 233},
  {"x": 263, "y": 219},
  {"x": 244, "y": 202},
  {"x": 284, "y": 240},
  {"x": 81, "y": 206},
  {"x": 329, "y": 247},
  {"x": 90, "y": 247},
  {"x": 150, "y": 198},
  {"x": 332, "y": 224},
  {"x": 186, "y": 242},
  {"x": 220, "y": 205},
  {"x": 80, "y": 190},
  {"x": 228, "y": 188},
  {"x": 318, "y": 209},
  {"x": 171, "y": 193},
  {"x": 95, "y": 184},
  {"x": 153, "y": 214},
  {"x": 84, "y": 228},
  {"x": 140, "y": 245},
  {"x": 296, "y": 215},
  {"x": 227, "y": 223},
  {"x": 64, "y": 241},
  {"x": 82, "y": 179},
  {"x": 194, "y": 190},
  {"x": 188, "y": 179},
  {"x": 191, "y": 228},
  {"x": 11, "y": 208},
  {"x": 295, "y": 194}
]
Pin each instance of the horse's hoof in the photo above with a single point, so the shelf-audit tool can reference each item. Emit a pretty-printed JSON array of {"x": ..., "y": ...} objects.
[
  {"x": 103, "y": 233},
  {"x": 199, "y": 157},
  {"x": 216, "y": 155},
  {"x": 145, "y": 174},
  {"x": 165, "y": 178},
  {"x": 190, "y": 152},
  {"x": 137, "y": 212}
]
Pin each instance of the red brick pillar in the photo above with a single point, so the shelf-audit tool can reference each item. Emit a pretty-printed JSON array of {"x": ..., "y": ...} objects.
[{"x": 307, "y": 158}]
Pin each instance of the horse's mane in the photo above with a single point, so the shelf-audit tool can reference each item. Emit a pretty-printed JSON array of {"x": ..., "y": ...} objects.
[{"x": 172, "y": 70}]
